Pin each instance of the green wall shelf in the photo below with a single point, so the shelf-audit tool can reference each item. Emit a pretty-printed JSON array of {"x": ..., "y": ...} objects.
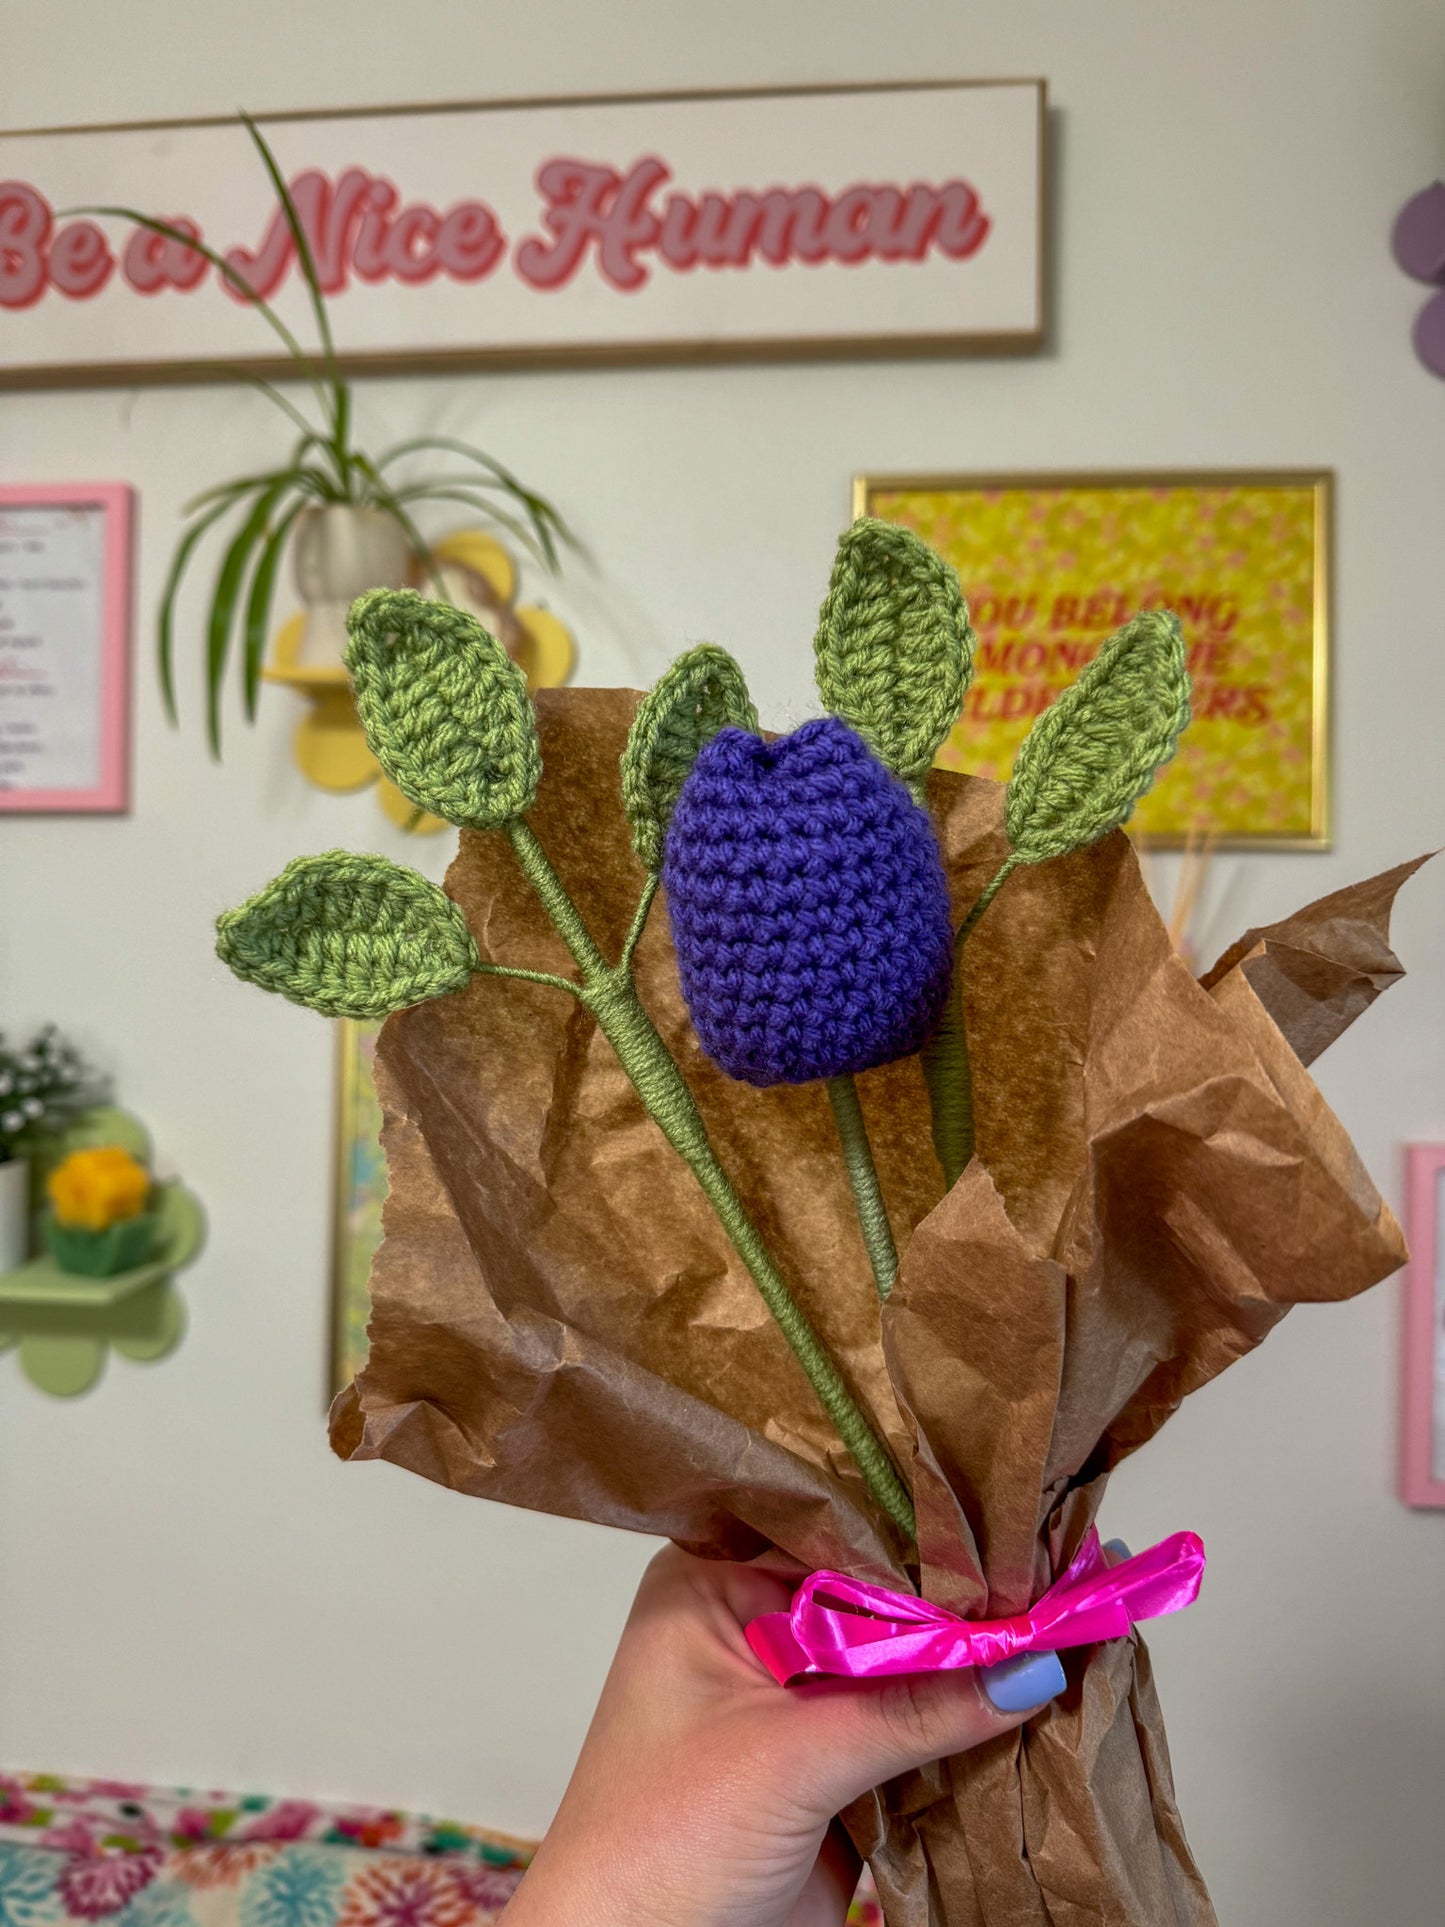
[{"x": 64, "y": 1325}]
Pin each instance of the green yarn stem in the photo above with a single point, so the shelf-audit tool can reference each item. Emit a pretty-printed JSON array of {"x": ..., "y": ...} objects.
[
  {"x": 863, "y": 1178},
  {"x": 537, "y": 868},
  {"x": 944, "y": 1057},
  {"x": 639, "y": 919},
  {"x": 970, "y": 922},
  {"x": 950, "y": 1090},
  {"x": 548, "y": 977},
  {"x": 611, "y": 995}
]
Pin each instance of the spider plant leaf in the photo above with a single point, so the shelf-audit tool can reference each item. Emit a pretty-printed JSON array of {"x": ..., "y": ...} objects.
[
  {"x": 350, "y": 936},
  {"x": 307, "y": 263},
  {"x": 478, "y": 492},
  {"x": 452, "y": 445},
  {"x": 223, "y": 604},
  {"x": 243, "y": 484},
  {"x": 893, "y": 655},
  {"x": 229, "y": 371},
  {"x": 700, "y": 693},
  {"x": 258, "y": 604},
  {"x": 544, "y": 516},
  {"x": 445, "y": 709},
  {"x": 483, "y": 507},
  {"x": 363, "y": 466},
  {"x": 274, "y": 395},
  {"x": 1094, "y": 752},
  {"x": 165, "y": 635},
  {"x": 228, "y": 274}
]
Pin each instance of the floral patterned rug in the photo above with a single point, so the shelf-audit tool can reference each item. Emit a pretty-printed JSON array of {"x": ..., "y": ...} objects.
[{"x": 116, "y": 1855}]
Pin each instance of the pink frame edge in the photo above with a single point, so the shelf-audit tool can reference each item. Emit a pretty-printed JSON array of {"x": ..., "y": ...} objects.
[
  {"x": 111, "y": 795},
  {"x": 1418, "y": 1487}
]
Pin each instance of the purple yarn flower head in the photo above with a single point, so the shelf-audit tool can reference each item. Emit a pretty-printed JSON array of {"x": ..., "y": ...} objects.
[{"x": 808, "y": 904}]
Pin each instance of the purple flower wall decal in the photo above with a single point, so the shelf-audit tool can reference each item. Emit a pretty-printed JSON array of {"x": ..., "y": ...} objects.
[{"x": 1418, "y": 243}]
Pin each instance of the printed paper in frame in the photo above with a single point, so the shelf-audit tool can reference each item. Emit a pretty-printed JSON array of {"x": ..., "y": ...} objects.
[
  {"x": 1053, "y": 564},
  {"x": 65, "y": 559}
]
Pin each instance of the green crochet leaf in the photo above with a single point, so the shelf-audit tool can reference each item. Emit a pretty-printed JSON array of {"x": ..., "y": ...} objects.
[
  {"x": 1094, "y": 752},
  {"x": 350, "y": 936},
  {"x": 444, "y": 707},
  {"x": 894, "y": 649},
  {"x": 696, "y": 696}
]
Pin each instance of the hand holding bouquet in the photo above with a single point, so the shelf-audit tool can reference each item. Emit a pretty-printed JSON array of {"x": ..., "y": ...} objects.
[{"x": 874, "y": 1210}]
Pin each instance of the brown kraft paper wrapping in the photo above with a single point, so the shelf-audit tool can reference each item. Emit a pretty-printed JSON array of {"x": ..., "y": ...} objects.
[{"x": 559, "y": 1322}]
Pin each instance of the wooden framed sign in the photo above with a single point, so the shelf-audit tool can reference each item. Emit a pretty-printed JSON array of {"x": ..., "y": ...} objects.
[
  {"x": 65, "y": 647},
  {"x": 876, "y": 219},
  {"x": 1053, "y": 564}
]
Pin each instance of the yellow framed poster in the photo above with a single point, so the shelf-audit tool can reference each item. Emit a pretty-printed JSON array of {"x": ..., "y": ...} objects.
[{"x": 1053, "y": 564}]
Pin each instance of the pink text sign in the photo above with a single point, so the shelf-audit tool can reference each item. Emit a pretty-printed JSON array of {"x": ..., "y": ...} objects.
[{"x": 876, "y": 219}]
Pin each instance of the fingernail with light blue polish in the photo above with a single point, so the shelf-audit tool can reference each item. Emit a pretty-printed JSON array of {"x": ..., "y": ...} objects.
[
  {"x": 1118, "y": 1548},
  {"x": 1016, "y": 1685}
]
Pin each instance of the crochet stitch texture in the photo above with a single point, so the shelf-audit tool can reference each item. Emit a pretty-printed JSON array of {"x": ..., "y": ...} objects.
[{"x": 809, "y": 908}]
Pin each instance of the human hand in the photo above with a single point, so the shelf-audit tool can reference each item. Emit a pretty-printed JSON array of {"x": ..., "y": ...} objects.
[{"x": 705, "y": 1793}]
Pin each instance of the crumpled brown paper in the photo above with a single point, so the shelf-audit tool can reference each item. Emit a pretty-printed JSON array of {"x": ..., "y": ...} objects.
[{"x": 559, "y": 1322}]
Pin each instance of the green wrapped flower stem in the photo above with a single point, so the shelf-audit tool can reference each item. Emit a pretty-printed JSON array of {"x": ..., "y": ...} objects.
[
  {"x": 1078, "y": 775},
  {"x": 863, "y": 1180},
  {"x": 610, "y": 993},
  {"x": 945, "y": 1056}
]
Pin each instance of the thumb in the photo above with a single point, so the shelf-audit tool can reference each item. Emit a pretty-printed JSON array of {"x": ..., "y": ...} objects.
[
  {"x": 862, "y": 1732},
  {"x": 870, "y": 1731}
]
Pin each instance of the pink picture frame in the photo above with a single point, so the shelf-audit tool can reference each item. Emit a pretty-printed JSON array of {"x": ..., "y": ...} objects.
[
  {"x": 103, "y": 606},
  {"x": 1422, "y": 1358}
]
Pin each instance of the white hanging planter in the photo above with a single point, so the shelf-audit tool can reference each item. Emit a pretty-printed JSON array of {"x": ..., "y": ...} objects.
[
  {"x": 14, "y": 1213},
  {"x": 339, "y": 553}
]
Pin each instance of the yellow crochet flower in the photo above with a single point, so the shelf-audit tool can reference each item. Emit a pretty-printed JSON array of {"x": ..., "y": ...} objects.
[{"x": 94, "y": 1189}]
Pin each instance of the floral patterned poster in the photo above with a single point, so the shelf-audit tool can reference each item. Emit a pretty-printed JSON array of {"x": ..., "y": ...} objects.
[
  {"x": 360, "y": 1193},
  {"x": 1053, "y": 565}
]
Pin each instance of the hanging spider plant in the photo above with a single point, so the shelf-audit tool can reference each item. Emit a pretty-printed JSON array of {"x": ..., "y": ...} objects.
[{"x": 325, "y": 470}]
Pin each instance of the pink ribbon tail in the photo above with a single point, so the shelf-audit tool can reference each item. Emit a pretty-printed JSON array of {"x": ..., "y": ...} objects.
[{"x": 851, "y": 1629}]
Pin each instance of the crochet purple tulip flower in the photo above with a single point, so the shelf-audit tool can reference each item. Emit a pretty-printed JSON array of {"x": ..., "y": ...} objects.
[{"x": 809, "y": 908}]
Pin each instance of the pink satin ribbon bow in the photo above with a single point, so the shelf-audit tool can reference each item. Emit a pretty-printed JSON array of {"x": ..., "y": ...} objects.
[{"x": 845, "y": 1626}]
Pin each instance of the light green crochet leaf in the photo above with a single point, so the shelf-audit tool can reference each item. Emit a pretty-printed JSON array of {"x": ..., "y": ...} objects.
[
  {"x": 1094, "y": 752},
  {"x": 444, "y": 707},
  {"x": 696, "y": 696},
  {"x": 894, "y": 649},
  {"x": 350, "y": 936}
]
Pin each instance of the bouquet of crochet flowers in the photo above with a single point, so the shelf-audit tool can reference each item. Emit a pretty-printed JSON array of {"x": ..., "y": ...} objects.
[{"x": 869, "y": 1206}]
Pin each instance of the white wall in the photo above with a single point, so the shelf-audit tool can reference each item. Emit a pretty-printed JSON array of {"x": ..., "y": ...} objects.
[{"x": 191, "y": 1589}]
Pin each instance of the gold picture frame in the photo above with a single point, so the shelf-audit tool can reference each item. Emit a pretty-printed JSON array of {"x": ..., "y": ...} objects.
[{"x": 1262, "y": 537}]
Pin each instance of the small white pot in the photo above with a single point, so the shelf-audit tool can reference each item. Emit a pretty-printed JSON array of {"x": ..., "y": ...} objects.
[
  {"x": 340, "y": 553},
  {"x": 14, "y": 1213}
]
